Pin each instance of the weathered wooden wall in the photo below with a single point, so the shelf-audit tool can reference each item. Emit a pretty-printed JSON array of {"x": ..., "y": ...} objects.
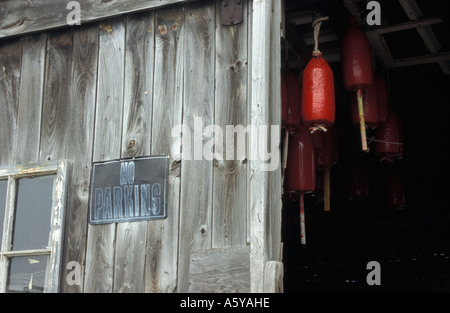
[{"x": 115, "y": 89}]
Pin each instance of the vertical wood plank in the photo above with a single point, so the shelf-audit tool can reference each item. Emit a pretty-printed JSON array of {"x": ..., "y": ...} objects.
[
  {"x": 138, "y": 91},
  {"x": 249, "y": 106},
  {"x": 162, "y": 235},
  {"x": 265, "y": 104},
  {"x": 79, "y": 147},
  {"x": 56, "y": 98},
  {"x": 57, "y": 112},
  {"x": 230, "y": 175},
  {"x": 198, "y": 112},
  {"x": 258, "y": 116},
  {"x": 107, "y": 146},
  {"x": 26, "y": 148},
  {"x": 275, "y": 185},
  {"x": 67, "y": 126},
  {"x": 273, "y": 277},
  {"x": 10, "y": 72},
  {"x": 265, "y": 186}
]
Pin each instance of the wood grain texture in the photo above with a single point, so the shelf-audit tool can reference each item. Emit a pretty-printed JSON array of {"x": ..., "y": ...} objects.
[
  {"x": 26, "y": 148},
  {"x": 21, "y": 17},
  {"x": 56, "y": 115},
  {"x": 107, "y": 146},
  {"x": 220, "y": 270},
  {"x": 110, "y": 82},
  {"x": 273, "y": 233},
  {"x": 115, "y": 89},
  {"x": 79, "y": 149},
  {"x": 162, "y": 235},
  {"x": 258, "y": 115},
  {"x": 259, "y": 197},
  {"x": 138, "y": 89},
  {"x": 67, "y": 125},
  {"x": 139, "y": 56},
  {"x": 273, "y": 277},
  {"x": 196, "y": 174},
  {"x": 265, "y": 197},
  {"x": 10, "y": 66},
  {"x": 230, "y": 174}
]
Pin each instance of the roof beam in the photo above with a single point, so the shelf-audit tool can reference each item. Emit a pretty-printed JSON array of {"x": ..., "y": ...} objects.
[
  {"x": 424, "y": 59},
  {"x": 414, "y": 13},
  {"x": 380, "y": 47},
  {"x": 406, "y": 25}
]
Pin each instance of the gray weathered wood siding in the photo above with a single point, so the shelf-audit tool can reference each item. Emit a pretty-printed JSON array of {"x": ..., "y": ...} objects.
[{"x": 115, "y": 89}]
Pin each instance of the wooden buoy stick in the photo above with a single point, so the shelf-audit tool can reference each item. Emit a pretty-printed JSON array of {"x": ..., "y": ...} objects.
[
  {"x": 302, "y": 220},
  {"x": 362, "y": 122},
  {"x": 326, "y": 188}
]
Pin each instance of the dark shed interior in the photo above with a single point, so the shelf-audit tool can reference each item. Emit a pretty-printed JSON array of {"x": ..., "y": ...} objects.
[{"x": 412, "y": 242}]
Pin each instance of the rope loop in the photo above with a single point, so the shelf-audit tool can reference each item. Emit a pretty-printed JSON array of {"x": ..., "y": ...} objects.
[
  {"x": 315, "y": 128},
  {"x": 316, "y": 25}
]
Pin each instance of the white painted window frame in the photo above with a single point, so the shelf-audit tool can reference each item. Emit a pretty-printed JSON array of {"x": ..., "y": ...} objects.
[{"x": 60, "y": 170}]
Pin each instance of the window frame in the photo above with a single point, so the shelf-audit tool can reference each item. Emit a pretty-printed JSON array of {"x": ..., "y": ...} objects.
[{"x": 54, "y": 250}]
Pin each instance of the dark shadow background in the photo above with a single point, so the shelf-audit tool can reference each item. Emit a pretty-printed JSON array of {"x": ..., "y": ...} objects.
[{"x": 412, "y": 245}]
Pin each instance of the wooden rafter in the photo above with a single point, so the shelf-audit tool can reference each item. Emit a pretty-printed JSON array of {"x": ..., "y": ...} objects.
[{"x": 380, "y": 47}]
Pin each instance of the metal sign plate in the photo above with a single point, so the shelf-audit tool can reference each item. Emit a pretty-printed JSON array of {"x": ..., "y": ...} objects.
[{"x": 129, "y": 190}]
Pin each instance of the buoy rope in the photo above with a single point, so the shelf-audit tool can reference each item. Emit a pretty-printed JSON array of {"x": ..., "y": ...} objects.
[
  {"x": 383, "y": 141},
  {"x": 315, "y": 128},
  {"x": 316, "y": 25}
]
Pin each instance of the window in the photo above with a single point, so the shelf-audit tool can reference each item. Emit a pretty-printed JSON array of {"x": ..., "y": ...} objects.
[{"x": 31, "y": 226}]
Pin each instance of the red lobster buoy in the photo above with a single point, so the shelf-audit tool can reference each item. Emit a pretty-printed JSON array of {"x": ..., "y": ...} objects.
[
  {"x": 301, "y": 170},
  {"x": 318, "y": 107},
  {"x": 387, "y": 138},
  {"x": 382, "y": 98},
  {"x": 370, "y": 105},
  {"x": 301, "y": 162},
  {"x": 294, "y": 94},
  {"x": 357, "y": 71},
  {"x": 318, "y": 103},
  {"x": 356, "y": 59}
]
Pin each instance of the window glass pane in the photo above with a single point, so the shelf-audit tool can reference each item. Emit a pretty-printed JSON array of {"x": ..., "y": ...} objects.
[
  {"x": 33, "y": 211},
  {"x": 3, "y": 187},
  {"x": 27, "y": 273}
]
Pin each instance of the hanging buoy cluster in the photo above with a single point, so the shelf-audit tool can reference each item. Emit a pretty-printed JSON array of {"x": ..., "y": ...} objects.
[
  {"x": 370, "y": 109},
  {"x": 306, "y": 112},
  {"x": 369, "y": 103},
  {"x": 308, "y": 117}
]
